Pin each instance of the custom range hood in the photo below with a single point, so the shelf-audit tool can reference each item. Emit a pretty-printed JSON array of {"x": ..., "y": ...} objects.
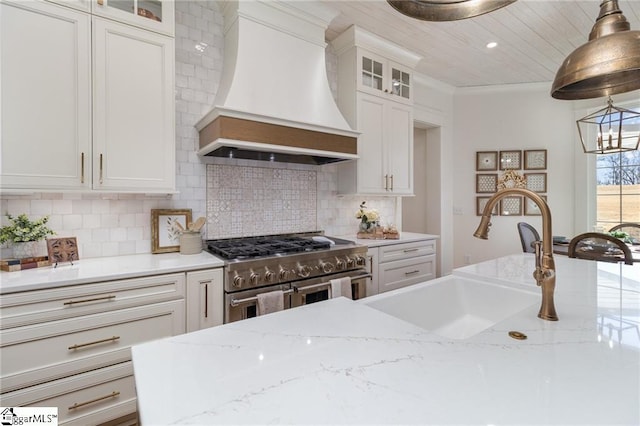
[{"x": 274, "y": 102}]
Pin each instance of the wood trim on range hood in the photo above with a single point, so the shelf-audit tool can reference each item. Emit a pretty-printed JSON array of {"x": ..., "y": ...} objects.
[{"x": 233, "y": 137}]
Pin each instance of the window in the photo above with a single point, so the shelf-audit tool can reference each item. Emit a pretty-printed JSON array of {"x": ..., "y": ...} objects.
[{"x": 618, "y": 189}]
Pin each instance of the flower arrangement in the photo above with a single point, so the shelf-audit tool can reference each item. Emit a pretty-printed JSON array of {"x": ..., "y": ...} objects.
[
  {"x": 22, "y": 229},
  {"x": 368, "y": 218}
]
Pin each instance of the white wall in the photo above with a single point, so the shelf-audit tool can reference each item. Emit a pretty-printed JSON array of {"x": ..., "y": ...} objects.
[{"x": 511, "y": 118}]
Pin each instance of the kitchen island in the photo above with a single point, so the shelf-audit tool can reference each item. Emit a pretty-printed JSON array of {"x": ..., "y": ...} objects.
[{"x": 343, "y": 362}]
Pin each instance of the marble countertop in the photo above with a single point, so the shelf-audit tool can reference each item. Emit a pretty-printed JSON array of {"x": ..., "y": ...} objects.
[
  {"x": 104, "y": 269},
  {"x": 405, "y": 237},
  {"x": 343, "y": 362}
]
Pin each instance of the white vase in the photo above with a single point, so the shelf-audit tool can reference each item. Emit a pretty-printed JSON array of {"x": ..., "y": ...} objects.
[{"x": 29, "y": 249}]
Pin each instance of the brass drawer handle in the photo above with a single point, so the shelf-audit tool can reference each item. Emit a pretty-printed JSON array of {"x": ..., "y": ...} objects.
[
  {"x": 82, "y": 345},
  {"x": 410, "y": 250},
  {"x": 82, "y": 404},
  {"x": 101, "y": 170},
  {"x": 206, "y": 300},
  {"x": 95, "y": 299},
  {"x": 412, "y": 272}
]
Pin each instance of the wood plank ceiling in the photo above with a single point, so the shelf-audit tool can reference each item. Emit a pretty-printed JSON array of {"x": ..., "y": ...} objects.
[{"x": 533, "y": 36}]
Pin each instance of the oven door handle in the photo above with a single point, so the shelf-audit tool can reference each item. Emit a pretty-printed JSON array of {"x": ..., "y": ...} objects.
[
  {"x": 325, "y": 284},
  {"x": 238, "y": 302}
]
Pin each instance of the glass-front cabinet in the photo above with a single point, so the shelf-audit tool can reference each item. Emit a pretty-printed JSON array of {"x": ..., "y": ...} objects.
[
  {"x": 155, "y": 15},
  {"x": 378, "y": 74}
]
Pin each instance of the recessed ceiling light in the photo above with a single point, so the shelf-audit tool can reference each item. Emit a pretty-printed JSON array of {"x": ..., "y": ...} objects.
[{"x": 491, "y": 45}]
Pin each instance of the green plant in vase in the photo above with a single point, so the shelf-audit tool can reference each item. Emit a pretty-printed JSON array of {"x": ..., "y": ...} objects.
[{"x": 23, "y": 234}]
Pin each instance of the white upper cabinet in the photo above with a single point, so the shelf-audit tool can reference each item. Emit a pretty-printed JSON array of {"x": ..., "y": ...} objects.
[
  {"x": 133, "y": 113},
  {"x": 46, "y": 96},
  {"x": 375, "y": 96},
  {"x": 85, "y": 105},
  {"x": 154, "y": 15},
  {"x": 381, "y": 76}
]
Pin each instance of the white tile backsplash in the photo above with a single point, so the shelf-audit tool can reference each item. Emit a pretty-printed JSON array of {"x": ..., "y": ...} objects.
[{"x": 120, "y": 224}]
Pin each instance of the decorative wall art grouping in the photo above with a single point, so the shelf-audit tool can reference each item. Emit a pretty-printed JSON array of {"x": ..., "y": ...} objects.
[{"x": 501, "y": 169}]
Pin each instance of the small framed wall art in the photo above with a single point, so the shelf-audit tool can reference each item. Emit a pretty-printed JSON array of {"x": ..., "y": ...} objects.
[
  {"x": 486, "y": 183},
  {"x": 511, "y": 206},
  {"x": 536, "y": 182},
  {"x": 481, "y": 202},
  {"x": 531, "y": 208},
  {"x": 166, "y": 227},
  {"x": 486, "y": 160},
  {"x": 510, "y": 160},
  {"x": 535, "y": 159},
  {"x": 62, "y": 250}
]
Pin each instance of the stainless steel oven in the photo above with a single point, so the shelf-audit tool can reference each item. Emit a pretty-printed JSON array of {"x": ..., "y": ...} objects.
[
  {"x": 301, "y": 266},
  {"x": 319, "y": 289},
  {"x": 244, "y": 304}
]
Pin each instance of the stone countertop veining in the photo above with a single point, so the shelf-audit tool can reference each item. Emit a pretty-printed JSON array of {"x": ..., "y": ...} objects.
[
  {"x": 104, "y": 269},
  {"x": 343, "y": 362},
  {"x": 405, "y": 237}
]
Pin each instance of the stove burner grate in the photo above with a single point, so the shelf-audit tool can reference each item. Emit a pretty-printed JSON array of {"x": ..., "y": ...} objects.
[{"x": 244, "y": 248}]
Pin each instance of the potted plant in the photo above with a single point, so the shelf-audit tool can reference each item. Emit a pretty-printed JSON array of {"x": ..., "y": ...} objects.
[{"x": 25, "y": 235}]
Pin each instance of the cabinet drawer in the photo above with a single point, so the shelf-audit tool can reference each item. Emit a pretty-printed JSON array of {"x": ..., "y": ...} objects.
[
  {"x": 42, "y": 352},
  {"x": 30, "y": 307},
  {"x": 90, "y": 398},
  {"x": 402, "y": 273},
  {"x": 406, "y": 250}
]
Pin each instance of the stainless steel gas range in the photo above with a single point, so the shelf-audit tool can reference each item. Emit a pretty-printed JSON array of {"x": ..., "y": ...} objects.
[{"x": 301, "y": 265}]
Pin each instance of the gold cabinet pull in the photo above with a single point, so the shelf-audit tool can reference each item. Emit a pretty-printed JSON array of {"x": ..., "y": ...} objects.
[
  {"x": 410, "y": 250},
  {"x": 206, "y": 300},
  {"x": 82, "y": 404},
  {"x": 82, "y": 167},
  {"x": 412, "y": 272},
  {"x": 100, "y": 169},
  {"x": 97, "y": 342},
  {"x": 386, "y": 182},
  {"x": 95, "y": 299},
  {"x": 392, "y": 182}
]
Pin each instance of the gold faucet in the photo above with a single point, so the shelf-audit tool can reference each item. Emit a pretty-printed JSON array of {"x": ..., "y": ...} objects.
[{"x": 545, "y": 273}]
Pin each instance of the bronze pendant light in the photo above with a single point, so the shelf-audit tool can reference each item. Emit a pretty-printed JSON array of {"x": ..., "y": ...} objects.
[
  {"x": 609, "y": 63},
  {"x": 446, "y": 10}
]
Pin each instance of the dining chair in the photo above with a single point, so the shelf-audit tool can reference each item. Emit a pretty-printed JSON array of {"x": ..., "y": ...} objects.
[
  {"x": 528, "y": 235},
  {"x": 598, "y": 246}
]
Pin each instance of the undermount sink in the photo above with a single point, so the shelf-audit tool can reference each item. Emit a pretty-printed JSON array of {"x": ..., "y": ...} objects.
[{"x": 454, "y": 307}]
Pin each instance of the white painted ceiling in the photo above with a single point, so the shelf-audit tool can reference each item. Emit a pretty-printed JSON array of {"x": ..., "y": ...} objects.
[{"x": 533, "y": 36}]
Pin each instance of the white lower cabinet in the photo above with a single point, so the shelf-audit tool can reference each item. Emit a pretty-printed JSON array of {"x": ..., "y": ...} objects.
[
  {"x": 402, "y": 264},
  {"x": 70, "y": 347},
  {"x": 205, "y": 299}
]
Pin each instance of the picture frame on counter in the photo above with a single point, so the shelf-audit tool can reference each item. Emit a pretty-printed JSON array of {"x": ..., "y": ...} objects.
[
  {"x": 62, "y": 250},
  {"x": 531, "y": 208},
  {"x": 535, "y": 159},
  {"x": 486, "y": 183},
  {"x": 166, "y": 227},
  {"x": 481, "y": 202},
  {"x": 511, "y": 206},
  {"x": 486, "y": 160},
  {"x": 510, "y": 160}
]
